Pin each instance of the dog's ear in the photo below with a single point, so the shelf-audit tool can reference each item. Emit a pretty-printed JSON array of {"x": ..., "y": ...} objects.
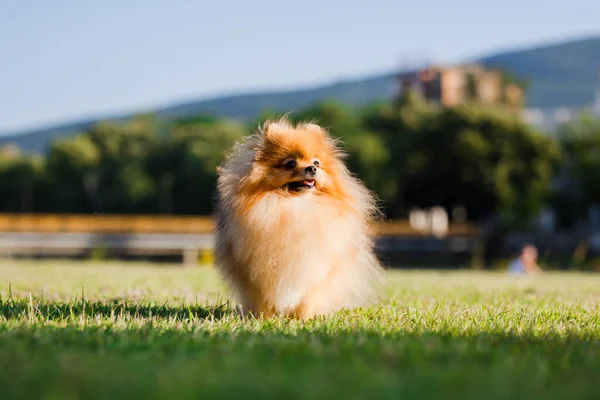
[
  {"x": 267, "y": 126},
  {"x": 313, "y": 127},
  {"x": 271, "y": 127}
]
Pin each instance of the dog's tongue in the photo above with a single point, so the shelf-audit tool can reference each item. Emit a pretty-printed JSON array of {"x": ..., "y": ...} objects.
[{"x": 309, "y": 183}]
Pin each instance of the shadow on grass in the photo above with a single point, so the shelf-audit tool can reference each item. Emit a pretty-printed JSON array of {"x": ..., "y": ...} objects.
[
  {"x": 140, "y": 362},
  {"x": 115, "y": 308}
]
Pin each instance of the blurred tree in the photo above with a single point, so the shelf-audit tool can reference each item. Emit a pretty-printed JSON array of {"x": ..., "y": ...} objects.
[
  {"x": 578, "y": 185},
  {"x": 73, "y": 168},
  {"x": 482, "y": 159},
  {"x": 410, "y": 153},
  {"x": 395, "y": 127},
  {"x": 123, "y": 183},
  {"x": 21, "y": 181},
  {"x": 183, "y": 165},
  {"x": 102, "y": 170}
]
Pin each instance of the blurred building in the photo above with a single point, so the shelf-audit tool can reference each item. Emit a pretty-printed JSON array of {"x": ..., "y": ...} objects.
[{"x": 454, "y": 85}]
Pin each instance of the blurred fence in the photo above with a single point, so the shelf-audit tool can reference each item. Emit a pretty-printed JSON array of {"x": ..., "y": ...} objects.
[
  {"x": 69, "y": 223},
  {"x": 190, "y": 238}
]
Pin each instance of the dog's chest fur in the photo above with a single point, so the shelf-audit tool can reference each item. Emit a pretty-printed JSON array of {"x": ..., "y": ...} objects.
[{"x": 292, "y": 244}]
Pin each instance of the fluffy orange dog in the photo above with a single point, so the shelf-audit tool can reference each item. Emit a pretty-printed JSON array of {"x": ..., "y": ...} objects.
[{"x": 293, "y": 224}]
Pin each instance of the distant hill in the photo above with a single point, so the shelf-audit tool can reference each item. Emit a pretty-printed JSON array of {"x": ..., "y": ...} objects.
[
  {"x": 562, "y": 74},
  {"x": 240, "y": 107},
  {"x": 558, "y": 74}
]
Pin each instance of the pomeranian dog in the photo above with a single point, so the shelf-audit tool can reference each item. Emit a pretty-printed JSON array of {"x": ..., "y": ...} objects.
[{"x": 293, "y": 225}]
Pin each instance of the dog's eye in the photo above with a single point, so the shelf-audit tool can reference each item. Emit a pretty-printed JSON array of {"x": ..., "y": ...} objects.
[
  {"x": 290, "y": 164},
  {"x": 316, "y": 163}
]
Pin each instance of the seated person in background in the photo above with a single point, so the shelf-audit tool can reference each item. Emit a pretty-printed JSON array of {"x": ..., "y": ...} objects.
[{"x": 526, "y": 263}]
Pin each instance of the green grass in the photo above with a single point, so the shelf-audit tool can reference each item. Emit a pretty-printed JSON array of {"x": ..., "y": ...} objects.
[{"x": 95, "y": 330}]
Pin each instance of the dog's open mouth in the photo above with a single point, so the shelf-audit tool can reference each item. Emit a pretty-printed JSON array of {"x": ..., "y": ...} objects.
[{"x": 300, "y": 185}]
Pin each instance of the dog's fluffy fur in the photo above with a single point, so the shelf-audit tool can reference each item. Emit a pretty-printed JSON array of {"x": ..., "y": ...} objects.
[{"x": 291, "y": 239}]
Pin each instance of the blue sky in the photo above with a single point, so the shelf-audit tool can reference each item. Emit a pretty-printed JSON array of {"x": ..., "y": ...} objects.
[{"x": 67, "y": 59}]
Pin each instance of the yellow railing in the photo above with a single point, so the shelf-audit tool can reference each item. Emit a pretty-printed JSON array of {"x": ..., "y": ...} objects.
[
  {"x": 166, "y": 224},
  {"x": 104, "y": 223}
]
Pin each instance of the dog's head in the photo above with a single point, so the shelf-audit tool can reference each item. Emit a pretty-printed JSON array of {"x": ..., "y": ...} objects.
[{"x": 296, "y": 160}]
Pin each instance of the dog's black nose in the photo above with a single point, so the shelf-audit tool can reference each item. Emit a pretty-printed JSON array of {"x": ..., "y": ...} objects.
[{"x": 311, "y": 170}]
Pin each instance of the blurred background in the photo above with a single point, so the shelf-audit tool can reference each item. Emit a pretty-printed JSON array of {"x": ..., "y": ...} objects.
[{"x": 476, "y": 123}]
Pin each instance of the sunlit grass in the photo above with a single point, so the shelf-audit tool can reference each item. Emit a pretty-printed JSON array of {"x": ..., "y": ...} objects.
[{"x": 86, "y": 330}]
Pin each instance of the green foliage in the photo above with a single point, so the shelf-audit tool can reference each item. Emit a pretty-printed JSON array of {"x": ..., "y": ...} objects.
[
  {"x": 183, "y": 165},
  {"x": 104, "y": 332},
  {"x": 411, "y": 154},
  {"x": 581, "y": 142},
  {"x": 479, "y": 158},
  {"x": 578, "y": 184},
  {"x": 21, "y": 181},
  {"x": 483, "y": 160},
  {"x": 139, "y": 166}
]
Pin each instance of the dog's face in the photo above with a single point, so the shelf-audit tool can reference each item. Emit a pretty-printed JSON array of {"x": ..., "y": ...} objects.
[
  {"x": 296, "y": 161},
  {"x": 299, "y": 173}
]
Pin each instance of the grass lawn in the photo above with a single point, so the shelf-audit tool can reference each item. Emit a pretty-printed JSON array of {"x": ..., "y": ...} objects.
[{"x": 91, "y": 330}]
